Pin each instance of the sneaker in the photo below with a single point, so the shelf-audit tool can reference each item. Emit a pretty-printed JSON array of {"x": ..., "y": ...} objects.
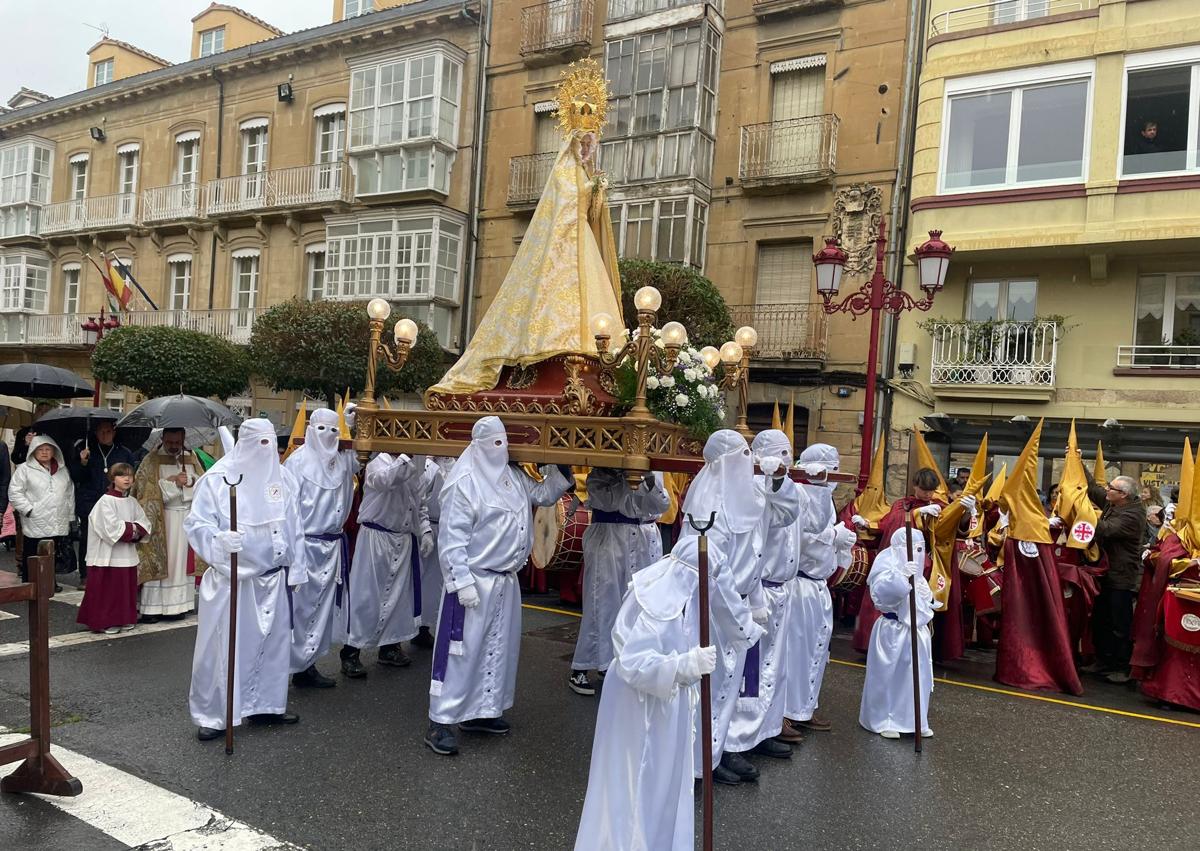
[
  {"x": 112, "y": 630},
  {"x": 495, "y": 726},
  {"x": 127, "y": 627},
  {"x": 1119, "y": 678},
  {"x": 580, "y": 684},
  {"x": 1096, "y": 667},
  {"x": 740, "y": 766},
  {"x": 773, "y": 749},
  {"x": 393, "y": 655},
  {"x": 423, "y": 639},
  {"x": 927, "y": 733},
  {"x": 440, "y": 740},
  {"x": 890, "y": 734}
]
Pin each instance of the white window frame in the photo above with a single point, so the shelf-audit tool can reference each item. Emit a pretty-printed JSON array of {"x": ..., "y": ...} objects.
[
  {"x": 72, "y": 274},
  {"x": 314, "y": 266},
  {"x": 1168, "y": 317},
  {"x": 1151, "y": 60},
  {"x": 354, "y": 8},
  {"x": 101, "y": 79},
  {"x": 215, "y": 38},
  {"x": 696, "y": 217},
  {"x": 1002, "y": 293},
  {"x": 79, "y": 179},
  {"x": 24, "y": 282},
  {"x": 179, "y": 269},
  {"x": 1017, "y": 81}
]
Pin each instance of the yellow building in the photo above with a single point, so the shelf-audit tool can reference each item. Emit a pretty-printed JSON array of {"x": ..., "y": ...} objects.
[
  {"x": 337, "y": 162},
  {"x": 1057, "y": 148},
  {"x": 735, "y": 131}
]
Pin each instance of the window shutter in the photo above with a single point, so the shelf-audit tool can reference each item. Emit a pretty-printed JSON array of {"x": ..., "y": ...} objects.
[{"x": 784, "y": 273}]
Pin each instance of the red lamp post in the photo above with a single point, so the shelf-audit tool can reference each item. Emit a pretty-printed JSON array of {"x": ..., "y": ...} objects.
[
  {"x": 875, "y": 297},
  {"x": 93, "y": 331}
]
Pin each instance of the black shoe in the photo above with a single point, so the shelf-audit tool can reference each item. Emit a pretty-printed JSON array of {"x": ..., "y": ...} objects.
[
  {"x": 424, "y": 639},
  {"x": 352, "y": 666},
  {"x": 312, "y": 678},
  {"x": 176, "y": 617},
  {"x": 773, "y": 749},
  {"x": 740, "y": 766},
  {"x": 267, "y": 720},
  {"x": 495, "y": 726},
  {"x": 580, "y": 684},
  {"x": 726, "y": 777},
  {"x": 148, "y": 619},
  {"x": 392, "y": 654},
  {"x": 207, "y": 734},
  {"x": 440, "y": 740}
]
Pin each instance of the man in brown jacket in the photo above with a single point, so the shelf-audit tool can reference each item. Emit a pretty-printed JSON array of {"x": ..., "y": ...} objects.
[{"x": 1121, "y": 533}]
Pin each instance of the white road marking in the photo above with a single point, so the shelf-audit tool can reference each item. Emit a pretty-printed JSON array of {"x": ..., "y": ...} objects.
[
  {"x": 74, "y": 639},
  {"x": 138, "y": 813}
]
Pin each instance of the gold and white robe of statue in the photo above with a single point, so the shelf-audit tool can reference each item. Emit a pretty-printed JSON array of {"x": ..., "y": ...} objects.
[
  {"x": 564, "y": 273},
  {"x": 164, "y": 555}
]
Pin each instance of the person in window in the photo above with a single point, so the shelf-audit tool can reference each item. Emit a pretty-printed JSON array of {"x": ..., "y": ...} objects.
[
  {"x": 89, "y": 465},
  {"x": 1147, "y": 141}
]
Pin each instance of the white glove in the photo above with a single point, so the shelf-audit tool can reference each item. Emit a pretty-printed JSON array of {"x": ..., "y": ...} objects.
[
  {"x": 351, "y": 407},
  {"x": 814, "y": 470},
  {"x": 843, "y": 538},
  {"x": 770, "y": 465},
  {"x": 694, "y": 664},
  {"x": 761, "y": 616},
  {"x": 1056, "y": 522},
  {"x": 229, "y": 542},
  {"x": 968, "y": 502},
  {"x": 1145, "y": 553},
  {"x": 860, "y": 521},
  {"x": 910, "y": 568},
  {"x": 468, "y": 597},
  {"x": 1169, "y": 512},
  {"x": 1003, "y": 524},
  {"x": 933, "y": 509},
  {"x": 426, "y": 546}
]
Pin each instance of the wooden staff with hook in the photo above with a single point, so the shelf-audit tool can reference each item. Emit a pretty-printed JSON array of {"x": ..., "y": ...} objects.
[
  {"x": 706, "y": 680},
  {"x": 230, "y": 673}
]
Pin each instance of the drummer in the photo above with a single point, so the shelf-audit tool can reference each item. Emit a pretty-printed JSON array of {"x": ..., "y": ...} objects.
[{"x": 614, "y": 549}]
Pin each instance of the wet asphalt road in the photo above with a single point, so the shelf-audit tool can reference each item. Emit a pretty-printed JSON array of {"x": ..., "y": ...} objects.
[{"x": 1002, "y": 771}]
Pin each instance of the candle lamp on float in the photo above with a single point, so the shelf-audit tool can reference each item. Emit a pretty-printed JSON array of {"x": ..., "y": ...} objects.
[
  {"x": 641, "y": 347},
  {"x": 404, "y": 334},
  {"x": 735, "y": 355}
]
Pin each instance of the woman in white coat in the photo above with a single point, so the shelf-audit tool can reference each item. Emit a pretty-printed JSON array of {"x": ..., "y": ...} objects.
[
  {"x": 42, "y": 497},
  {"x": 887, "y": 701}
]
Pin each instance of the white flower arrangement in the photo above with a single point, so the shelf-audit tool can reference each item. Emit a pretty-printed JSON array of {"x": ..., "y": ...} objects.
[
  {"x": 652, "y": 382},
  {"x": 682, "y": 400},
  {"x": 667, "y": 381},
  {"x": 687, "y": 395}
]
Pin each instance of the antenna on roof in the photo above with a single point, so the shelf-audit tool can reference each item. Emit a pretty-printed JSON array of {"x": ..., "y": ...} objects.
[{"x": 102, "y": 28}]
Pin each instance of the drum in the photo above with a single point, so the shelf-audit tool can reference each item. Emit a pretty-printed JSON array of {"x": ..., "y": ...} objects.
[
  {"x": 557, "y": 538},
  {"x": 972, "y": 557},
  {"x": 983, "y": 592},
  {"x": 847, "y": 579},
  {"x": 1181, "y": 618}
]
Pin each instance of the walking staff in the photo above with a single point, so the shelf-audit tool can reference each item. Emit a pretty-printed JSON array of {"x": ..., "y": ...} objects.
[
  {"x": 230, "y": 674},
  {"x": 912, "y": 620},
  {"x": 705, "y": 681}
]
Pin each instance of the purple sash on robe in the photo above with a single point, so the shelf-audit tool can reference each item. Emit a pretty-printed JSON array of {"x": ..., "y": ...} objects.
[
  {"x": 344, "y": 568},
  {"x": 751, "y": 673},
  {"x": 414, "y": 559},
  {"x": 450, "y": 628},
  {"x": 288, "y": 588}
]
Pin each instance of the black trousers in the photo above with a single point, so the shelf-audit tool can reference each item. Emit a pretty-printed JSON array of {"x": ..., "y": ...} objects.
[
  {"x": 1112, "y": 626},
  {"x": 83, "y": 536},
  {"x": 29, "y": 549}
]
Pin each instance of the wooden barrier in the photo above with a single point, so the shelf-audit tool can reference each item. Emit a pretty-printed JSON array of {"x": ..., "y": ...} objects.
[{"x": 40, "y": 772}]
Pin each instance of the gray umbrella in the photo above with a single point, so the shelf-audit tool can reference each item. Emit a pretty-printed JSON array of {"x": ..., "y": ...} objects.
[
  {"x": 42, "y": 381},
  {"x": 180, "y": 412},
  {"x": 70, "y": 425}
]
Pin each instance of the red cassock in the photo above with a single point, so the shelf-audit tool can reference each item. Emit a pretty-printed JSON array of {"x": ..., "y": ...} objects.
[
  {"x": 1080, "y": 585},
  {"x": 867, "y": 613},
  {"x": 1166, "y": 633},
  {"x": 1035, "y": 641}
]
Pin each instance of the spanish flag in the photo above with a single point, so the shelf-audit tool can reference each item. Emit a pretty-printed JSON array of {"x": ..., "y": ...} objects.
[{"x": 117, "y": 281}]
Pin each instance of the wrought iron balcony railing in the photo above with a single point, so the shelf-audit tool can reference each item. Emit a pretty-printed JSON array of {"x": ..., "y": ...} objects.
[
  {"x": 88, "y": 214},
  {"x": 320, "y": 183},
  {"x": 1012, "y": 354},
  {"x": 797, "y": 149},
  {"x": 527, "y": 177},
  {"x": 786, "y": 332},
  {"x": 171, "y": 203},
  {"x": 63, "y": 329},
  {"x": 997, "y": 12},
  {"x": 556, "y": 26},
  {"x": 1158, "y": 357}
]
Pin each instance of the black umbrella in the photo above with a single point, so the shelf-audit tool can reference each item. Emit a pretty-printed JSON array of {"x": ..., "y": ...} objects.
[
  {"x": 42, "y": 381},
  {"x": 69, "y": 425},
  {"x": 180, "y": 412}
]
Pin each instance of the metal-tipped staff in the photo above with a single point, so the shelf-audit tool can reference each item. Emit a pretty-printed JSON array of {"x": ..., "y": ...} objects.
[
  {"x": 706, "y": 680},
  {"x": 918, "y": 728},
  {"x": 233, "y": 603}
]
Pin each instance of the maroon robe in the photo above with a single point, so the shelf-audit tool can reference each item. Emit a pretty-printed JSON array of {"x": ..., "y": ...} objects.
[
  {"x": 893, "y": 520},
  {"x": 1080, "y": 585},
  {"x": 1147, "y": 637},
  {"x": 1035, "y": 641},
  {"x": 1175, "y": 674}
]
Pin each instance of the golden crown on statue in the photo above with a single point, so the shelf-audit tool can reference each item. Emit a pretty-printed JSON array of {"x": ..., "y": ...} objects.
[{"x": 582, "y": 98}]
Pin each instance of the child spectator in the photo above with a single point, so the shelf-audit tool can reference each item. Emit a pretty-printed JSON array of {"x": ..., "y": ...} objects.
[{"x": 115, "y": 525}]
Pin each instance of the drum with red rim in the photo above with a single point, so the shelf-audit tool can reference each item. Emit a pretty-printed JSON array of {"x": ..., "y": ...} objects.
[
  {"x": 983, "y": 592},
  {"x": 849, "y": 578},
  {"x": 557, "y": 538}
]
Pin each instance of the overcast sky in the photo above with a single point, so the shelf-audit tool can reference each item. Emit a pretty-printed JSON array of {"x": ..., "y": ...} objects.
[{"x": 46, "y": 41}]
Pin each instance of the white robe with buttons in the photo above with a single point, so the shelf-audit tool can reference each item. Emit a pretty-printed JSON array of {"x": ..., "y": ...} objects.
[
  {"x": 263, "y": 634},
  {"x": 485, "y": 545},
  {"x": 431, "y": 569},
  {"x": 379, "y": 608},
  {"x": 323, "y": 511},
  {"x": 612, "y": 553}
]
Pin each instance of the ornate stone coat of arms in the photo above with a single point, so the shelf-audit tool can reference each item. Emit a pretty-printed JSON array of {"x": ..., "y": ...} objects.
[{"x": 857, "y": 212}]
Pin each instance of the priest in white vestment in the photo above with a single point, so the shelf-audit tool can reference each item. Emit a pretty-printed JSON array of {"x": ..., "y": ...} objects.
[
  {"x": 640, "y": 786},
  {"x": 325, "y": 476},
  {"x": 484, "y": 539},
  {"x": 758, "y": 715},
  {"x": 824, "y": 546},
  {"x": 382, "y": 605},
  {"x": 746, "y": 508},
  {"x": 613, "y": 546},
  {"x": 167, "y": 568},
  {"x": 271, "y": 560},
  {"x": 887, "y": 701}
]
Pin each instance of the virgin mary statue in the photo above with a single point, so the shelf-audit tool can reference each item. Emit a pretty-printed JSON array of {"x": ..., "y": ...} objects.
[{"x": 565, "y": 270}]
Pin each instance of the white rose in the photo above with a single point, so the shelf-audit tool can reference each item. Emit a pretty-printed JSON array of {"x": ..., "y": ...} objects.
[
  {"x": 652, "y": 382},
  {"x": 690, "y": 374},
  {"x": 668, "y": 381},
  {"x": 681, "y": 400},
  {"x": 684, "y": 357},
  {"x": 659, "y": 342}
]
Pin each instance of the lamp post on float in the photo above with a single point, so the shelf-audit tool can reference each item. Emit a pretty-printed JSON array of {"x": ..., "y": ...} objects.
[
  {"x": 641, "y": 346},
  {"x": 877, "y": 296},
  {"x": 405, "y": 335}
]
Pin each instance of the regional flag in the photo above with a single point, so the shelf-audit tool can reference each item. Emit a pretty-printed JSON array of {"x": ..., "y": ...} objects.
[
  {"x": 119, "y": 280},
  {"x": 119, "y": 292}
]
